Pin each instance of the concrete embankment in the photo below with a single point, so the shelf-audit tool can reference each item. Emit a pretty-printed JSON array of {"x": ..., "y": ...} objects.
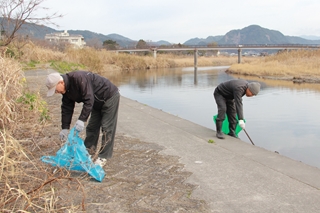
[{"x": 231, "y": 175}]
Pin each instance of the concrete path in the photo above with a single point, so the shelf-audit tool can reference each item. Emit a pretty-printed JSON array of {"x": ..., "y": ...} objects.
[{"x": 231, "y": 175}]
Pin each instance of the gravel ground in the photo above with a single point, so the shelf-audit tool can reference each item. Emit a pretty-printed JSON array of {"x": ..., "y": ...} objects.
[{"x": 138, "y": 178}]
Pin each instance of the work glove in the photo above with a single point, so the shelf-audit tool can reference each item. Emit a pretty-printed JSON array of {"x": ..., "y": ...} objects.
[
  {"x": 242, "y": 124},
  {"x": 79, "y": 126},
  {"x": 63, "y": 135}
]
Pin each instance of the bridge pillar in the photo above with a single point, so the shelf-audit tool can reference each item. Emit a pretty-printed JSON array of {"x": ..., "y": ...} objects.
[
  {"x": 195, "y": 66},
  {"x": 195, "y": 58},
  {"x": 154, "y": 53},
  {"x": 239, "y": 56}
]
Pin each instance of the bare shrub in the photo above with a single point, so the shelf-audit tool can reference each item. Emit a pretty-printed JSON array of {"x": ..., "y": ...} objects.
[{"x": 16, "y": 13}]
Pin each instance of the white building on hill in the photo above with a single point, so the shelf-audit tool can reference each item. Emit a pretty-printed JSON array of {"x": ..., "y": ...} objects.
[{"x": 76, "y": 40}]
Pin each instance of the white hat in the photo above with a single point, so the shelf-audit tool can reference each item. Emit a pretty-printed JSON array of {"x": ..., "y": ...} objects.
[{"x": 52, "y": 81}]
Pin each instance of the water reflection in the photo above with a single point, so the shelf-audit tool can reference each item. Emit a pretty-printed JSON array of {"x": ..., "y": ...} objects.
[{"x": 282, "y": 118}]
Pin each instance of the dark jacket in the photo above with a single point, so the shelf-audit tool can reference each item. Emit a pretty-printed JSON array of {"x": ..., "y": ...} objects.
[
  {"x": 234, "y": 90},
  {"x": 86, "y": 87}
]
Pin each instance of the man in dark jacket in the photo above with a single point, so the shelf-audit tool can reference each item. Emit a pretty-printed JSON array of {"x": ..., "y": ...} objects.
[
  {"x": 100, "y": 100},
  {"x": 228, "y": 96}
]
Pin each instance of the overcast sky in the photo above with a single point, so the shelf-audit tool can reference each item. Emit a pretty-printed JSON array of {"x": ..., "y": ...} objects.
[{"x": 177, "y": 21}]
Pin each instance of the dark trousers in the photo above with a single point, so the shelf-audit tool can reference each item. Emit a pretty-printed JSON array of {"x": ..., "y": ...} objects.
[
  {"x": 225, "y": 106},
  {"x": 106, "y": 120}
]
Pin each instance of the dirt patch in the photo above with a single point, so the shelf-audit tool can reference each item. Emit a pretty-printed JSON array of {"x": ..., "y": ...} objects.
[{"x": 138, "y": 178}]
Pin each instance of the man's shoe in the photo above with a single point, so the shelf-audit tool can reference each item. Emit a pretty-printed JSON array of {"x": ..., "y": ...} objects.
[
  {"x": 233, "y": 135},
  {"x": 220, "y": 135},
  {"x": 101, "y": 161}
]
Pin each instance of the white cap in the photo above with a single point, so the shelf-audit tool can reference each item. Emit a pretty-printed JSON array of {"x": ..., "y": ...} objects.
[{"x": 52, "y": 81}]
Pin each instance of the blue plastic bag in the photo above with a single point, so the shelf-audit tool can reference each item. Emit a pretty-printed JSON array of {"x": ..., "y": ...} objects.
[{"x": 73, "y": 155}]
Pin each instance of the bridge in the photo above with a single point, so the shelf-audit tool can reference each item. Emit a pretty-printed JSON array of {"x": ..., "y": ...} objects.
[{"x": 239, "y": 48}]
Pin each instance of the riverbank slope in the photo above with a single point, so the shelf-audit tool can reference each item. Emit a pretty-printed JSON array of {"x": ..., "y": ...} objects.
[{"x": 231, "y": 175}]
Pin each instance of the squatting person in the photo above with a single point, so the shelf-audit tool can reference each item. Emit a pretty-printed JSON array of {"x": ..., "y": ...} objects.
[
  {"x": 228, "y": 96},
  {"x": 100, "y": 98}
]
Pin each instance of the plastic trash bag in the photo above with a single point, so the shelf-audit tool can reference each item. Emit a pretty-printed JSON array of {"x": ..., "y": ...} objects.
[
  {"x": 225, "y": 125},
  {"x": 73, "y": 155}
]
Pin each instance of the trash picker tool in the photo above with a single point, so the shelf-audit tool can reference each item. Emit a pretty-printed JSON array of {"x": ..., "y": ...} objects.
[{"x": 248, "y": 136}]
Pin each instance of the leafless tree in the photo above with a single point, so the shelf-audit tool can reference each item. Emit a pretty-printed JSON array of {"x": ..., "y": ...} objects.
[{"x": 16, "y": 13}]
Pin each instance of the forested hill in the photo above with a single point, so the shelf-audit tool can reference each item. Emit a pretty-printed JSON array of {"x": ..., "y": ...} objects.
[{"x": 253, "y": 34}]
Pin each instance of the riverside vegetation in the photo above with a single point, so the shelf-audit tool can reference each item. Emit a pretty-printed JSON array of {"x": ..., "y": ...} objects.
[
  {"x": 25, "y": 183},
  {"x": 297, "y": 66}
]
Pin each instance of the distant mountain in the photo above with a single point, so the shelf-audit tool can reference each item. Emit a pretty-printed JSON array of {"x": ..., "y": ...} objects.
[
  {"x": 202, "y": 41},
  {"x": 39, "y": 32},
  {"x": 299, "y": 40},
  {"x": 253, "y": 34},
  {"x": 121, "y": 40},
  {"x": 310, "y": 37},
  {"x": 162, "y": 42},
  {"x": 34, "y": 30}
]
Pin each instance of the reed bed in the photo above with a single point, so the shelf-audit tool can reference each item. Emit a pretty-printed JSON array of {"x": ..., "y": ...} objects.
[
  {"x": 276, "y": 82},
  {"x": 296, "y": 64},
  {"x": 32, "y": 52}
]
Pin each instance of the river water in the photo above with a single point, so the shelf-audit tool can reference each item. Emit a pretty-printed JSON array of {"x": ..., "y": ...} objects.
[{"x": 283, "y": 117}]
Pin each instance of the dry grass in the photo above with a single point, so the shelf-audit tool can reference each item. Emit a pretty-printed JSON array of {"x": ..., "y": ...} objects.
[
  {"x": 42, "y": 55},
  {"x": 299, "y": 63},
  {"x": 102, "y": 61},
  {"x": 278, "y": 82},
  {"x": 11, "y": 88},
  {"x": 25, "y": 186},
  {"x": 89, "y": 57},
  {"x": 32, "y": 52}
]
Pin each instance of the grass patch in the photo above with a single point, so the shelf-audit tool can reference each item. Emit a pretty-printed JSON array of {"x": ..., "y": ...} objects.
[
  {"x": 210, "y": 141},
  {"x": 189, "y": 193},
  {"x": 34, "y": 102},
  {"x": 30, "y": 65},
  {"x": 64, "y": 67}
]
